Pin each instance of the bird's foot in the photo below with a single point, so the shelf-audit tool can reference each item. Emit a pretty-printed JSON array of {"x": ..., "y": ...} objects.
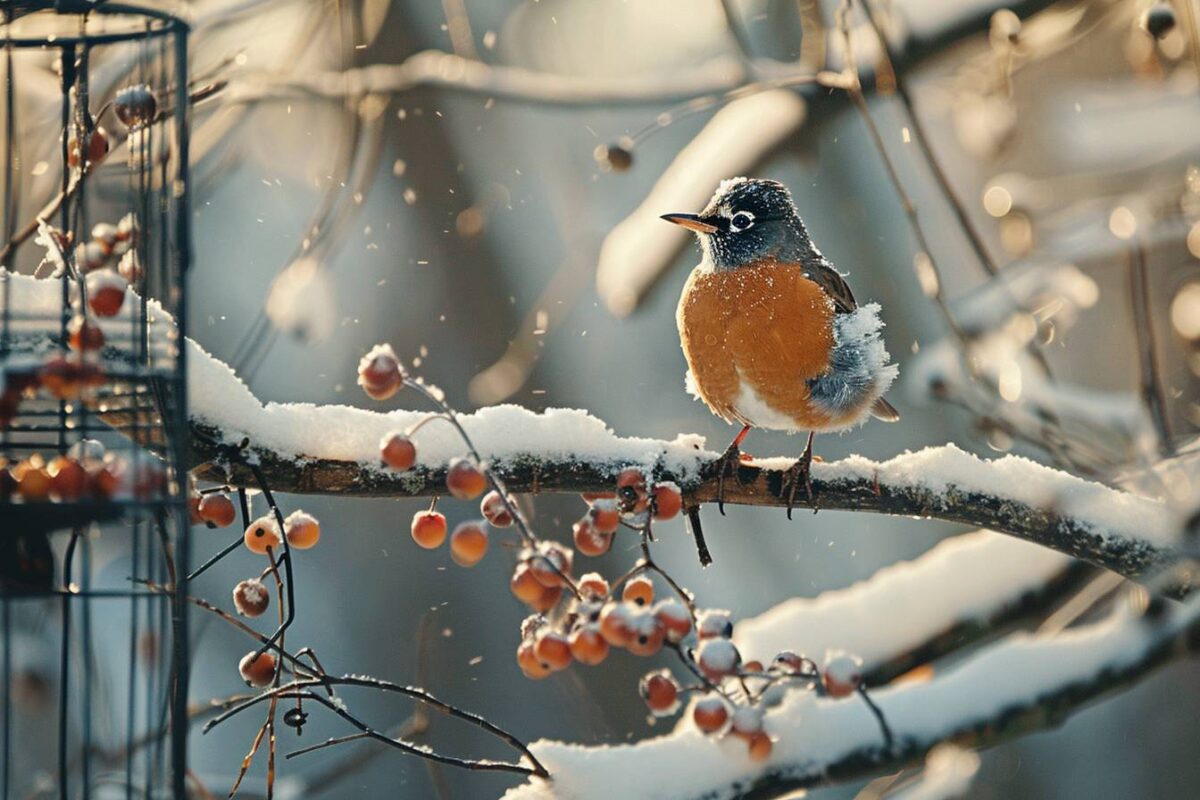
[
  {"x": 723, "y": 467},
  {"x": 799, "y": 474}
]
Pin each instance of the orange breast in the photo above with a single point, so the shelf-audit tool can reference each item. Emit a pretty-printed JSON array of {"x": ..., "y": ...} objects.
[{"x": 768, "y": 326}]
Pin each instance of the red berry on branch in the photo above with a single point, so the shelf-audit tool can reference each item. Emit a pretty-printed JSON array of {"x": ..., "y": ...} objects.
[
  {"x": 84, "y": 336},
  {"x": 589, "y": 540},
  {"x": 717, "y": 659},
  {"x": 262, "y": 534},
  {"x": 495, "y": 511},
  {"x": 675, "y": 619},
  {"x": 648, "y": 635},
  {"x": 464, "y": 479},
  {"x": 105, "y": 293},
  {"x": 251, "y": 598},
  {"x": 638, "y": 590},
  {"x": 631, "y": 491},
  {"x": 551, "y": 564},
  {"x": 302, "y": 530},
  {"x": 468, "y": 543},
  {"x": 711, "y": 714},
  {"x": 68, "y": 478},
  {"x": 605, "y": 516},
  {"x": 429, "y": 529},
  {"x": 525, "y": 587},
  {"x": 529, "y": 662},
  {"x": 667, "y": 501},
  {"x": 759, "y": 746},
  {"x": 553, "y": 650},
  {"x": 593, "y": 586},
  {"x": 257, "y": 671},
  {"x": 379, "y": 372},
  {"x": 841, "y": 675},
  {"x": 713, "y": 624},
  {"x": 616, "y": 624},
  {"x": 398, "y": 451},
  {"x": 217, "y": 508},
  {"x": 661, "y": 692},
  {"x": 588, "y": 645}
]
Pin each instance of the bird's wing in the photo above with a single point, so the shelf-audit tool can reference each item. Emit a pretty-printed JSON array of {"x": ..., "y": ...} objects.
[{"x": 835, "y": 286}]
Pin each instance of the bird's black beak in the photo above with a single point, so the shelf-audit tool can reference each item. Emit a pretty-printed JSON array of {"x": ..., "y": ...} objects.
[{"x": 693, "y": 222}]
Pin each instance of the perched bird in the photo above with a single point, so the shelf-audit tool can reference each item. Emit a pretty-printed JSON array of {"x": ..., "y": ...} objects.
[{"x": 772, "y": 334}]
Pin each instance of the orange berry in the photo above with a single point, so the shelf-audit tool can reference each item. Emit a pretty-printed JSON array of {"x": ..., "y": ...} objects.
[
  {"x": 379, "y": 372},
  {"x": 841, "y": 675},
  {"x": 262, "y": 534},
  {"x": 495, "y": 511},
  {"x": 638, "y": 590},
  {"x": 717, "y": 658},
  {"x": 193, "y": 503},
  {"x": 105, "y": 292},
  {"x": 529, "y": 663},
  {"x": 135, "y": 106},
  {"x": 251, "y": 598},
  {"x": 660, "y": 691},
  {"x": 648, "y": 635},
  {"x": 302, "y": 530},
  {"x": 667, "y": 501},
  {"x": 593, "y": 586},
  {"x": 759, "y": 746},
  {"x": 752, "y": 667},
  {"x": 84, "y": 336},
  {"x": 429, "y": 529},
  {"x": 68, "y": 478},
  {"x": 552, "y": 649},
  {"x": 464, "y": 479},
  {"x": 103, "y": 479},
  {"x": 631, "y": 491},
  {"x": 217, "y": 509},
  {"x": 791, "y": 663},
  {"x": 398, "y": 451},
  {"x": 97, "y": 147},
  {"x": 616, "y": 624},
  {"x": 588, "y": 540},
  {"x": 675, "y": 619},
  {"x": 468, "y": 543},
  {"x": 551, "y": 564},
  {"x": 710, "y": 714},
  {"x": 525, "y": 587},
  {"x": 587, "y": 644},
  {"x": 605, "y": 516},
  {"x": 60, "y": 377},
  {"x": 33, "y": 482},
  {"x": 257, "y": 671},
  {"x": 549, "y": 599}
]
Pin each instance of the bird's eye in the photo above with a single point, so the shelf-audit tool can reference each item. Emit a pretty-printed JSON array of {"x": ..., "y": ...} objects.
[{"x": 741, "y": 221}]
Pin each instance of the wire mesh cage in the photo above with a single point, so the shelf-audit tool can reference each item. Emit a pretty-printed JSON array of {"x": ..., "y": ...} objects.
[{"x": 93, "y": 510}]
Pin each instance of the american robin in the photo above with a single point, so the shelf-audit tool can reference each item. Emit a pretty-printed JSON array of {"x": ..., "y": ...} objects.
[{"x": 772, "y": 334}]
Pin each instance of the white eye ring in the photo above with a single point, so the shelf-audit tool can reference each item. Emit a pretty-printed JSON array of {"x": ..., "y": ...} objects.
[{"x": 741, "y": 221}]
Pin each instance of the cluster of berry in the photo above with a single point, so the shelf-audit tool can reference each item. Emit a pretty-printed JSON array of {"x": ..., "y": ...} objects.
[
  {"x": 135, "y": 106},
  {"x": 583, "y": 619},
  {"x": 84, "y": 472}
]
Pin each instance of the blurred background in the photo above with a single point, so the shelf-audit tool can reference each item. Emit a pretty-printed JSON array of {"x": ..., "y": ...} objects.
[{"x": 465, "y": 179}]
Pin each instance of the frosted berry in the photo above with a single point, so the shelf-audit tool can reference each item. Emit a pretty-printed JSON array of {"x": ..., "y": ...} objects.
[
  {"x": 841, "y": 675},
  {"x": 135, "y": 106},
  {"x": 104, "y": 234},
  {"x": 302, "y": 530},
  {"x": 660, "y": 691},
  {"x": 217, "y": 509},
  {"x": 429, "y": 529},
  {"x": 379, "y": 372},
  {"x": 127, "y": 228},
  {"x": 257, "y": 671},
  {"x": 529, "y": 662},
  {"x": 130, "y": 268},
  {"x": 552, "y": 649},
  {"x": 790, "y": 663},
  {"x": 711, "y": 714},
  {"x": 588, "y": 645},
  {"x": 464, "y": 479},
  {"x": 667, "y": 501},
  {"x": 524, "y": 586},
  {"x": 638, "y": 590},
  {"x": 549, "y": 599},
  {"x": 714, "y": 624},
  {"x": 84, "y": 336},
  {"x": 616, "y": 624},
  {"x": 551, "y": 563},
  {"x": 251, "y": 598},
  {"x": 589, "y": 540},
  {"x": 631, "y": 491},
  {"x": 263, "y": 533},
  {"x": 398, "y": 451},
  {"x": 495, "y": 511},
  {"x": 68, "y": 478},
  {"x": 593, "y": 586},
  {"x": 648, "y": 635},
  {"x": 97, "y": 148},
  {"x": 90, "y": 256},
  {"x": 105, "y": 293},
  {"x": 468, "y": 543},
  {"x": 103, "y": 479},
  {"x": 605, "y": 516},
  {"x": 717, "y": 659},
  {"x": 675, "y": 619},
  {"x": 59, "y": 377},
  {"x": 746, "y": 721}
]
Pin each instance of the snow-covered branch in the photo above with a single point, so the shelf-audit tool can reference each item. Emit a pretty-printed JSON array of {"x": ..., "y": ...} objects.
[{"x": 1022, "y": 684}]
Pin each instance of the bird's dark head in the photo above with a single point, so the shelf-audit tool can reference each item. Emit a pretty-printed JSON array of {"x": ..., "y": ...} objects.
[{"x": 748, "y": 220}]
